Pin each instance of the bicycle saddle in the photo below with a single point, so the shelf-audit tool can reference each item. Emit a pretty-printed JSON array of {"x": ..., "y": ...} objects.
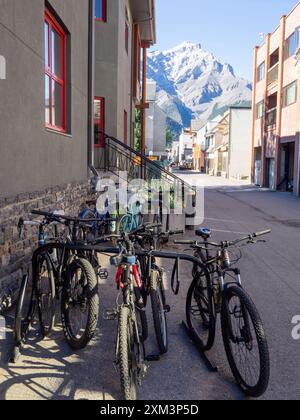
[{"x": 204, "y": 233}]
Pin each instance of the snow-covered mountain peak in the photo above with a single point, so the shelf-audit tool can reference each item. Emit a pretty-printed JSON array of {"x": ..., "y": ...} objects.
[{"x": 192, "y": 83}]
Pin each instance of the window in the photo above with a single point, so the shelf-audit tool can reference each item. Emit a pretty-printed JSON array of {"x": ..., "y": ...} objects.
[
  {"x": 127, "y": 20},
  {"x": 99, "y": 113},
  {"x": 137, "y": 60},
  {"x": 260, "y": 110},
  {"x": 100, "y": 10},
  {"x": 126, "y": 37},
  {"x": 292, "y": 44},
  {"x": 290, "y": 94},
  {"x": 55, "y": 74},
  {"x": 261, "y": 72},
  {"x": 125, "y": 126}
]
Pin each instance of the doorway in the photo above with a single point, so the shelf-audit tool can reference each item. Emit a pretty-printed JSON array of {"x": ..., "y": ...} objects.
[
  {"x": 271, "y": 174},
  {"x": 287, "y": 167}
]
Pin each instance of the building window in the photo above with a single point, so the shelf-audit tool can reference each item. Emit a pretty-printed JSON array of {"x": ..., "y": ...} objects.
[
  {"x": 99, "y": 115},
  {"x": 126, "y": 37},
  {"x": 290, "y": 94},
  {"x": 137, "y": 60},
  {"x": 260, "y": 110},
  {"x": 125, "y": 126},
  {"x": 292, "y": 44},
  {"x": 100, "y": 10},
  {"x": 261, "y": 72},
  {"x": 55, "y": 74}
]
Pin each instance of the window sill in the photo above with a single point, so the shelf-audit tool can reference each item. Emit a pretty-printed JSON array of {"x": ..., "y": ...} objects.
[{"x": 60, "y": 133}]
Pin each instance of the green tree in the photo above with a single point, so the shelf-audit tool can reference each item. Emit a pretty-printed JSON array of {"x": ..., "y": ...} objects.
[
  {"x": 138, "y": 130},
  {"x": 169, "y": 138}
]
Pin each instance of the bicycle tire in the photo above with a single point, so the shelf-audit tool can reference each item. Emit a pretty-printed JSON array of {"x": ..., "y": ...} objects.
[
  {"x": 46, "y": 314},
  {"x": 128, "y": 376},
  {"x": 22, "y": 323},
  {"x": 159, "y": 313},
  {"x": 207, "y": 320},
  {"x": 259, "y": 388},
  {"x": 91, "y": 299},
  {"x": 125, "y": 224}
]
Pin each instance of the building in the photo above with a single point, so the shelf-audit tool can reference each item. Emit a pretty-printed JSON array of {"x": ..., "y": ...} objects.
[
  {"x": 156, "y": 125},
  {"x": 185, "y": 146},
  {"x": 72, "y": 71},
  {"x": 124, "y": 29},
  {"x": 212, "y": 140},
  {"x": 276, "y": 107},
  {"x": 228, "y": 144},
  {"x": 198, "y": 132}
]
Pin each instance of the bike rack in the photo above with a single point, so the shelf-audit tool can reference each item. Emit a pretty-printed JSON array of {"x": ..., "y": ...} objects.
[{"x": 115, "y": 251}]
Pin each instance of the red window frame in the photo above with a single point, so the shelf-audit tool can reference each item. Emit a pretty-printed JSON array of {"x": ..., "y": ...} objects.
[
  {"x": 52, "y": 24},
  {"x": 125, "y": 126},
  {"x": 101, "y": 121},
  {"x": 104, "y": 12}
]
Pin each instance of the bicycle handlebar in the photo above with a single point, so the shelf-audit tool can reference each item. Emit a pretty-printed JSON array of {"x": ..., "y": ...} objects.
[
  {"x": 224, "y": 244},
  {"x": 60, "y": 217}
]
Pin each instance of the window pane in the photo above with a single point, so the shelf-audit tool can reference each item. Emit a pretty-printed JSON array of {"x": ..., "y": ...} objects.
[
  {"x": 291, "y": 94},
  {"x": 261, "y": 72},
  {"x": 47, "y": 99},
  {"x": 57, "y": 104},
  {"x": 99, "y": 10},
  {"x": 57, "y": 54},
  {"x": 98, "y": 121},
  {"x": 46, "y": 44}
]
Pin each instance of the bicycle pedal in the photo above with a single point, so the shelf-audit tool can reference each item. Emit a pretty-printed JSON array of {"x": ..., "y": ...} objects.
[
  {"x": 153, "y": 358},
  {"x": 110, "y": 315},
  {"x": 167, "y": 309}
]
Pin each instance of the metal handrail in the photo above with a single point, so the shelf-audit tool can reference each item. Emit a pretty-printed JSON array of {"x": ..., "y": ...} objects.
[{"x": 135, "y": 157}]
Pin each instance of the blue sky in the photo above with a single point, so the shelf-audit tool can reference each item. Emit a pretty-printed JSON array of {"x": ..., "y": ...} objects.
[{"x": 228, "y": 28}]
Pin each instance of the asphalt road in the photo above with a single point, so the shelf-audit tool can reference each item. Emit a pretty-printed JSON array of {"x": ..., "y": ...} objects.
[{"x": 49, "y": 370}]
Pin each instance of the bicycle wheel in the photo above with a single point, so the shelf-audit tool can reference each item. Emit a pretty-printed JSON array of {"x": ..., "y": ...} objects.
[
  {"x": 45, "y": 294},
  {"x": 125, "y": 224},
  {"x": 158, "y": 312},
  {"x": 24, "y": 311},
  {"x": 128, "y": 355},
  {"x": 245, "y": 342},
  {"x": 80, "y": 304},
  {"x": 200, "y": 312}
]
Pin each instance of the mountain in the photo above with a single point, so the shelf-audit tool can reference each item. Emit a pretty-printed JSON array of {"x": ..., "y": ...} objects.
[{"x": 192, "y": 83}]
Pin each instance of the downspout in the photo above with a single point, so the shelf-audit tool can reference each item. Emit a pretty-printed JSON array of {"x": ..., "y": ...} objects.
[{"x": 91, "y": 62}]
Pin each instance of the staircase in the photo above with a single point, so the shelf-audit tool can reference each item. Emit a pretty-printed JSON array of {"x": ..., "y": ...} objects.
[{"x": 118, "y": 158}]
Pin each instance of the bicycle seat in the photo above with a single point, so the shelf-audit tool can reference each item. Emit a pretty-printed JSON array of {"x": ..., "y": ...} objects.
[{"x": 204, "y": 233}]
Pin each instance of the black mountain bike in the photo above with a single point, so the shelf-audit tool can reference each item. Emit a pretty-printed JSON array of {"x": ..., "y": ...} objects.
[
  {"x": 59, "y": 274},
  {"x": 152, "y": 239},
  {"x": 132, "y": 320},
  {"x": 217, "y": 289}
]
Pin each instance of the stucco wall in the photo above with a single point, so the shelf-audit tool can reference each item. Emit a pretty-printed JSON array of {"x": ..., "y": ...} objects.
[
  {"x": 240, "y": 143},
  {"x": 31, "y": 156}
]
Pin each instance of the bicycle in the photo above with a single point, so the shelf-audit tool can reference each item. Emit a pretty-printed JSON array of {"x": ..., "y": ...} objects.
[
  {"x": 217, "y": 290},
  {"x": 131, "y": 315},
  {"x": 59, "y": 273},
  {"x": 132, "y": 220},
  {"x": 153, "y": 285}
]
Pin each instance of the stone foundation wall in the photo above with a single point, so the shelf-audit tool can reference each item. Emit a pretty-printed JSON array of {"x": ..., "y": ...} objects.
[{"x": 15, "y": 254}]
